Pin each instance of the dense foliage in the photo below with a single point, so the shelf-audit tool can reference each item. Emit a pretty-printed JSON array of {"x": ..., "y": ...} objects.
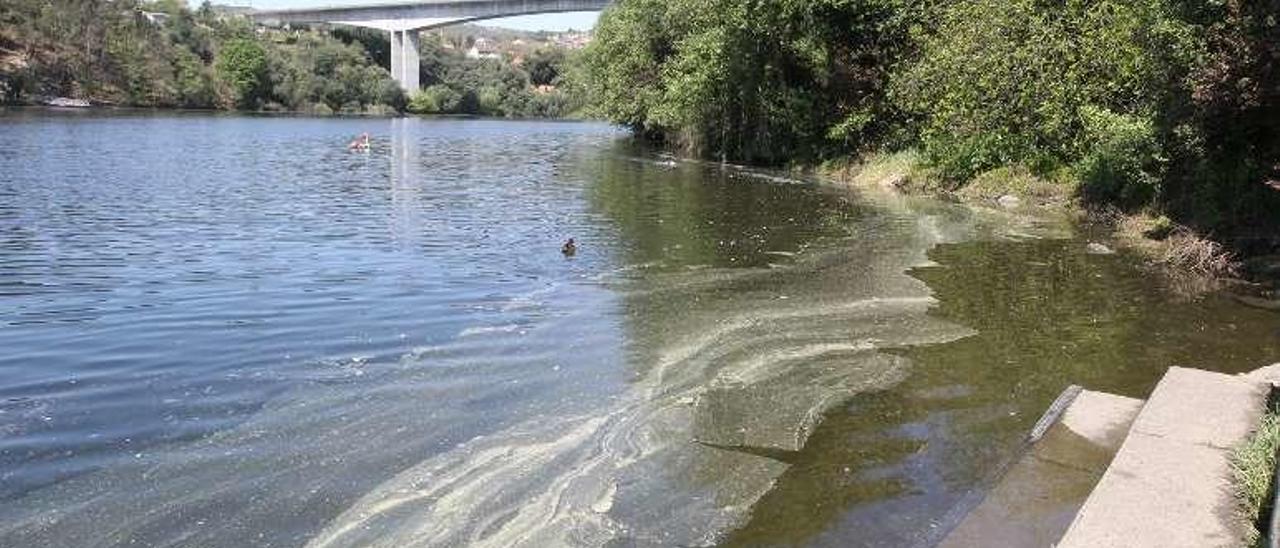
[
  {"x": 524, "y": 88},
  {"x": 1169, "y": 105},
  {"x": 242, "y": 64},
  {"x": 130, "y": 52},
  {"x": 755, "y": 81},
  {"x": 1008, "y": 81},
  {"x": 1229, "y": 138}
]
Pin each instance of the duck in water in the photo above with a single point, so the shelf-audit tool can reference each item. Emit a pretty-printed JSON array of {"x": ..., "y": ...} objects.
[
  {"x": 570, "y": 248},
  {"x": 360, "y": 144}
]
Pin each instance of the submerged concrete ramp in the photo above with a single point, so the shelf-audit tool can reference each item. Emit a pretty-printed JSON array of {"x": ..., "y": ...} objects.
[
  {"x": 1036, "y": 500},
  {"x": 1170, "y": 484}
]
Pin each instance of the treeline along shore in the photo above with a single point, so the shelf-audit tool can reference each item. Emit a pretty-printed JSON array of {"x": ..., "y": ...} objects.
[
  {"x": 1164, "y": 114},
  {"x": 164, "y": 54}
]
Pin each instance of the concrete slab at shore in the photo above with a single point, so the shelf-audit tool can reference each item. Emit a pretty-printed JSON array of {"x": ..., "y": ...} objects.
[{"x": 1170, "y": 484}]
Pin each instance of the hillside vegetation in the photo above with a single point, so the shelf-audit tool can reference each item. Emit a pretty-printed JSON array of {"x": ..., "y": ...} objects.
[
  {"x": 1166, "y": 107},
  {"x": 511, "y": 84},
  {"x": 163, "y": 54},
  {"x": 120, "y": 52}
]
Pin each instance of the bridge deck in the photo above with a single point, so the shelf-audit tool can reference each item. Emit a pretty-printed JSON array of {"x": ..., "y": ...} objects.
[{"x": 424, "y": 14}]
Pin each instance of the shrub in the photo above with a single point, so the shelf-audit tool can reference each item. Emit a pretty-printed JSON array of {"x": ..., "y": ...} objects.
[
  {"x": 545, "y": 65},
  {"x": 388, "y": 92},
  {"x": 1123, "y": 163},
  {"x": 765, "y": 82},
  {"x": 491, "y": 102},
  {"x": 1007, "y": 81},
  {"x": 437, "y": 99},
  {"x": 242, "y": 65},
  {"x": 195, "y": 85},
  {"x": 1160, "y": 228}
]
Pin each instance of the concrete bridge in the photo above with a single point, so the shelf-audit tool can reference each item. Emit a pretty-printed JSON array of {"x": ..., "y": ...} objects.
[{"x": 405, "y": 21}]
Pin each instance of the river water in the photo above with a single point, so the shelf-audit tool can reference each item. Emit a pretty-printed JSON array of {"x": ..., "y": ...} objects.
[{"x": 231, "y": 331}]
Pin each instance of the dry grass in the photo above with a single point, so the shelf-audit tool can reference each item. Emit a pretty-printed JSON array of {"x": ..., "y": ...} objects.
[
  {"x": 1195, "y": 264},
  {"x": 1177, "y": 247},
  {"x": 896, "y": 170},
  {"x": 1187, "y": 250},
  {"x": 1188, "y": 264},
  {"x": 906, "y": 171},
  {"x": 1018, "y": 180}
]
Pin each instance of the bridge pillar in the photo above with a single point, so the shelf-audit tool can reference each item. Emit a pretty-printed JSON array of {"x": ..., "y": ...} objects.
[
  {"x": 405, "y": 58},
  {"x": 397, "y": 56},
  {"x": 412, "y": 60}
]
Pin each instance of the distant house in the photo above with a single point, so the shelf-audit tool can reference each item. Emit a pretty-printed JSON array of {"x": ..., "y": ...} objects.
[
  {"x": 156, "y": 18},
  {"x": 483, "y": 49},
  {"x": 573, "y": 40}
]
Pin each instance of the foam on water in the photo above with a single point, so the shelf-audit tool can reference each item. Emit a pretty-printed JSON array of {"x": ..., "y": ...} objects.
[{"x": 491, "y": 330}]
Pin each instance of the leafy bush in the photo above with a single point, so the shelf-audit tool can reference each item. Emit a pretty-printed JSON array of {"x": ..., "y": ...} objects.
[
  {"x": 1007, "y": 81},
  {"x": 196, "y": 85},
  {"x": 319, "y": 68},
  {"x": 1226, "y": 144},
  {"x": 387, "y": 92},
  {"x": 1123, "y": 163},
  {"x": 763, "y": 82},
  {"x": 242, "y": 64},
  {"x": 492, "y": 102},
  {"x": 545, "y": 65},
  {"x": 437, "y": 99}
]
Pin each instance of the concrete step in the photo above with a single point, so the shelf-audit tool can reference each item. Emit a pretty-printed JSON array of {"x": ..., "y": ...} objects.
[
  {"x": 1170, "y": 483},
  {"x": 1037, "y": 498}
]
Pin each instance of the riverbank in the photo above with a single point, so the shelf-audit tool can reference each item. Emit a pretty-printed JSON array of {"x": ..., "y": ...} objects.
[
  {"x": 1198, "y": 260},
  {"x": 66, "y": 104},
  {"x": 1176, "y": 127},
  {"x": 156, "y": 55}
]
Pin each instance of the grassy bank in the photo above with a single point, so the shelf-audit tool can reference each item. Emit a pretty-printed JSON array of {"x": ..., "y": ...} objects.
[
  {"x": 1252, "y": 466},
  {"x": 1178, "y": 248}
]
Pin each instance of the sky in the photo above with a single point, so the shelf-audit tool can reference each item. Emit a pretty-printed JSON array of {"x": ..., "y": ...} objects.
[{"x": 549, "y": 21}]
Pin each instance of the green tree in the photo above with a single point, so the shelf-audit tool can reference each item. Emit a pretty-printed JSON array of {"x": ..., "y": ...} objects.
[
  {"x": 195, "y": 86},
  {"x": 1011, "y": 81},
  {"x": 109, "y": 52},
  {"x": 1226, "y": 142},
  {"x": 437, "y": 99},
  {"x": 765, "y": 82},
  {"x": 545, "y": 65},
  {"x": 242, "y": 66}
]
